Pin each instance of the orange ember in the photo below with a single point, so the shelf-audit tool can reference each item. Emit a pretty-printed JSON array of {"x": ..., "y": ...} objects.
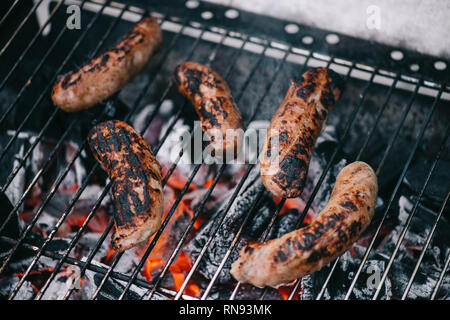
[
  {"x": 178, "y": 270},
  {"x": 296, "y": 203},
  {"x": 98, "y": 222},
  {"x": 285, "y": 291}
]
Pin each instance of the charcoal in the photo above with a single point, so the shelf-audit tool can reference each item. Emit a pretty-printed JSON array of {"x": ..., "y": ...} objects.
[
  {"x": 7, "y": 284},
  {"x": 325, "y": 145},
  {"x": 284, "y": 224},
  {"x": 231, "y": 224},
  {"x": 10, "y": 161},
  {"x": 12, "y": 228},
  {"x": 63, "y": 281},
  {"x": 128, "y": 262},
  {"x": 307, "y": 289},
  {"x": 342, "y": 278},
  {"x": 88, "y": 241},
  {"x": 112, "y": 289},
  {"x": 257, "y": 224},
  {"x": 438, "y": 185}
]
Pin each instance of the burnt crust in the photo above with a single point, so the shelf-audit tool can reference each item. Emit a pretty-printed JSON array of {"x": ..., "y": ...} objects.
[
  {"x": 301, "y": 252},
  {"x": 109, "y": 72},
  {"x": 135, "y": 175},
  {"x": 298, "y": 121},
  {"x": 212, "y": 100}
]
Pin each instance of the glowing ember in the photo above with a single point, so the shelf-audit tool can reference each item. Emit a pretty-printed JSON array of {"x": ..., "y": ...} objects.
[
  {"x": 285, "y": 291},
  {"x": 178, "y": 270}
]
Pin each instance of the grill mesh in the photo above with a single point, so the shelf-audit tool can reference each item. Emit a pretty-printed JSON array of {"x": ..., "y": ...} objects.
[{"x": 271, "y": 65}]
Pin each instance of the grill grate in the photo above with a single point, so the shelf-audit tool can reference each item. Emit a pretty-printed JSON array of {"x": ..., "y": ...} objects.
[{"x": 263, "y": 53}]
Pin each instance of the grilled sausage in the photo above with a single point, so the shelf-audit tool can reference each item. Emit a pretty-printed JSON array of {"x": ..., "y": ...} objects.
[
  {"x": 301, "y": 252},
  {"x": 109, "y": 72},
  {"x": 211, "y": 97},
  {"x": 294, "y": 128},
  {"x": 136, "y": 181}
]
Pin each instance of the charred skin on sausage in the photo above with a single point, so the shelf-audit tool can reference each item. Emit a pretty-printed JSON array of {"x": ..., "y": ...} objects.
[
  {"x": 303, "y": 251},
  {"x": 214, "y": 104},
  {"x": 136, "y": 181},
  {"x": 106, "y": 74},
  {"x": 294, "y": 128}
]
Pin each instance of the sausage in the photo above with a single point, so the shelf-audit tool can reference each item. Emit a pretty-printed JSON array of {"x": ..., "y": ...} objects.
[
  {"x": 106, "y": 74},
  {"x": 294, "y": 128},
  {"x": 303, "y": 251},
  {"x": 136, "y": 181},
  {"x": 212, "y": 100}
]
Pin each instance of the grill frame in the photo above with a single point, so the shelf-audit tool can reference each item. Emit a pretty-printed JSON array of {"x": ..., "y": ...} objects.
[{"x": 427, "y": 79}]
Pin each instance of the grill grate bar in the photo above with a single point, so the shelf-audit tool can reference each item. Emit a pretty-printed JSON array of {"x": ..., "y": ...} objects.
[
  {"x": 200, "y": 208},
  {"x": 148, "y": 251},
  {"x": 397, "y": 131},
  {"x": 330, "y": 162},
  {"x": 378, "y": 117},
  {"x": 235, "y": 193},
  {"x": 441, "y": 277},
  {"x": 54, "y": 188},
  {"x": 40, "y": 172},
  {"x": 9, "y": 11},
  {"x": 410, "y": 217},
  {"x": 32, "y": 10},
  {"x": 425, "y": 247},
  {"x": 405, "y": 169},
  {"x": 30, "y": 44},
  {"x": 156, "y": 236},
  {"x": 109, "y": 271},
  {"x": 92, "y": 267},
  {"x": 107, "y": 187},
  {"x": 45, "y": 91},
  {"x": 388, "y": 148}
]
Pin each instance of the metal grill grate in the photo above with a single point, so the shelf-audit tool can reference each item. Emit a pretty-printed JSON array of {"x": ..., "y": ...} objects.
[{"x": 187, "y": 39}]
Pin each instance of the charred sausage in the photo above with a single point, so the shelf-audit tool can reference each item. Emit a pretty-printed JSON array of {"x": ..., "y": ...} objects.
[
  {"x": 211, "y": 97},
  {"x": 109, "y": 72},
  {"x": 294, "y": 128},
  {"x": 301, "y": 252},
  {"x": 136, "y": 181}
]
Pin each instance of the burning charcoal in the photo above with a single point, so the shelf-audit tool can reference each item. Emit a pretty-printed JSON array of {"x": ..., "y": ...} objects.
[
  {"x": 307, "y": 289},
  {"x": 410, "y": 249},
  {"x": 342, "y": 278},
  {"x": 224, "y": 236},
  {"x": 7, "y": 284},
  {"x": 113, "y": 288},
  {"x": 368, "y": 282},
  {"x": 130, "y": 259},
  {"x": 424, "y": 281},
  {"x": 258, "y": 224},
  {"x": 284, "y": 224},
  {"x": 87, "y": 242},
  {"x": 63, "y": 281}
]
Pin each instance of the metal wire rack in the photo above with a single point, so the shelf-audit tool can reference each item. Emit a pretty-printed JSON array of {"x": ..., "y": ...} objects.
[{"x": 235, "y": 39}]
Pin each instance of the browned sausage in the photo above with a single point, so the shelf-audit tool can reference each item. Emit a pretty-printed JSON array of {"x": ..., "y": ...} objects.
[
  {"x": 109, "y": 72},
  {"x": 301, "y": 252},
  {"x": 211, "y": 97},
  {"x": 294, "y": 128},
  {"x": 136, "y": 181}
]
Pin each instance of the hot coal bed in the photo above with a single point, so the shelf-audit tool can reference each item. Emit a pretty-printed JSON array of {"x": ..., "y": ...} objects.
[{"x": 56, "y": 217}]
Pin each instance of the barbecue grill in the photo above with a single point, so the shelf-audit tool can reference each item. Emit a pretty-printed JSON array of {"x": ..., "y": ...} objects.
[{"x": 393, "y": 115}]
